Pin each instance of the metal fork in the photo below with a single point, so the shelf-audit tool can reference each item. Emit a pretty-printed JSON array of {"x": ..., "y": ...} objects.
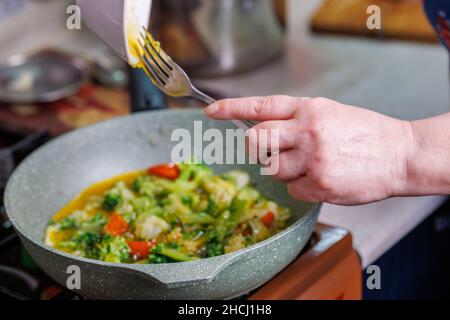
[{"x": 170, "y": 78}]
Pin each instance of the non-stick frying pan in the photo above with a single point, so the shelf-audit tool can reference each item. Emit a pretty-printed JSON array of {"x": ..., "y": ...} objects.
[{"x": 55, "y": 173}]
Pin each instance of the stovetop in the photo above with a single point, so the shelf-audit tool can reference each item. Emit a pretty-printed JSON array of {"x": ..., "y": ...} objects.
[{"x": 20, "y": 278}]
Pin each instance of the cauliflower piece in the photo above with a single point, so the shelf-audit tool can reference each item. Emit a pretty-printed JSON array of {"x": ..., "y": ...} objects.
[
  {"x": 94, "y": 203},
  {"x": 259, "y": 231},
  {"x": 175, "y": 235},
  {"x": 221, "y": 191},
  {"x": 240, "y": 178},
  {"x": 192, "y": 246},
  {"x": 235, "y": 243},
  {"x": 150, "y": 228}
]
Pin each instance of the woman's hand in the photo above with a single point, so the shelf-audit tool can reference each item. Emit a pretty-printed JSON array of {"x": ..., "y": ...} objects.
[{"x": 330, "y": 152}]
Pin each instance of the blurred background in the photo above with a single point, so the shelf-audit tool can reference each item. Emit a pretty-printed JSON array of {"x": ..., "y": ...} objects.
[
  {"x": 232, "y": 48},
  {"x": 53, "y": 80}
]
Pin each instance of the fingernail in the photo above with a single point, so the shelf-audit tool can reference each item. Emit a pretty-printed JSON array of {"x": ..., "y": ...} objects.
[{"x": 212, "y": 109}]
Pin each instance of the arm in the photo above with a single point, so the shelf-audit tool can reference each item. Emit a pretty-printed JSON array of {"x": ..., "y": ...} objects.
[
  {"x": 428, "y": 165},
  {"x": 347, "y": 155}
]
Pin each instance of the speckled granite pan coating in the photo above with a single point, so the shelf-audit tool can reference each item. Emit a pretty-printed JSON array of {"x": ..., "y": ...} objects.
[{"x": 58, "y": 171}]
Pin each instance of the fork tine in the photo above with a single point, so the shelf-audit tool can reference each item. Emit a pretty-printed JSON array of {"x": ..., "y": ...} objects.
[
  {"x": 251, "y": 123},
  {"x": 167, "y": 61},
  {"x": 149, "y": 70},
  {"x": 154, "y": 79},
  {"x": 152, "y": 53},
  {"x": 153, "y": 65},
  {"x": 161, "y": 69}
]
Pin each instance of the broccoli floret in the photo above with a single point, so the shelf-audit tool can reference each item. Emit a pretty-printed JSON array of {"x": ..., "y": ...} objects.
[
  {"x": 96, "y": 224},
  {"x": 243, "y": 201},
  {"x": 215, "y": 249},
  {"x": 174, "y": 254},
  {"x": 67, "y": 223},
  {"x": 97, "y": 246},
  {"x": 117, "y": 196},
  {"x": 129, "y": 216},
  {"x": 140, "y": 183},
  {"x": 137, "y": 185},
  {"x": 85, "y": 243},
  {"x": 211, "y": 209},
  {"x": 194, "y": 172},
  {"x": 88, "y": 238},
  {"x": 151, "y": 187},
  {"x": 142, "y": 205},
  {"x": 211, "y": 234},
  {"x": 158, "y": 259},
  {"x": 224, "y": 226},
  {"x": 191, "y": 200},
  {"x": 187, "y": 200},
  {"x": 174, "y": 208},
  {"x": 114, "y": 249},
  {"x": 173, "y": 245},
  {"x": 111, "y": 200}
]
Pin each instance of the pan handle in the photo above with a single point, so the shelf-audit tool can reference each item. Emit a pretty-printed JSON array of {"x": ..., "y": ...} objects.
[{"x": 199, "y": 272}]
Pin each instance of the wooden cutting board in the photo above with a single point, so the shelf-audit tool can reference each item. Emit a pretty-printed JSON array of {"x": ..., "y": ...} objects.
[{"x": 401, "y": 19}]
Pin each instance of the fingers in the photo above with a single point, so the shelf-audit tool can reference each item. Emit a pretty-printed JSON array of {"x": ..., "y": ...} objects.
[
  {"x": 291, "y": 165},
  {"x": 273, "y": 136},
  {"x": 256, "y": 108},
  {"x": 306, "y": 189}
]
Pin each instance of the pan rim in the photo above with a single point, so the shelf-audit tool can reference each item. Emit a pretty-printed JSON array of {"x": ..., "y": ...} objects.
[{"x": 225, "y": 257}]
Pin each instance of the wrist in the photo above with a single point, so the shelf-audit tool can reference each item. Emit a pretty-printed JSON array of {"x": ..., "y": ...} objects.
[
  {"x": 408, "y": 177},
  {"x": 427, "y": 160},
  {"x": 403, "y": 148}
]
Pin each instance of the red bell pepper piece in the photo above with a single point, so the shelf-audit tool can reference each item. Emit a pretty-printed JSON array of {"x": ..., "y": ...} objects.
[
  {"x": 167, "y": 171},
  {"x": 267, "y": 220},
  {"x": 141, "y": 249},
  {"x": 116, "y": 225}
]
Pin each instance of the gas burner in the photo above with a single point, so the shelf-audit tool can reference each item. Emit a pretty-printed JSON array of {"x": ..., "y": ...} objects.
[
  {"x": 15, "y": 144},
  {"x": 15, "y": 281}
]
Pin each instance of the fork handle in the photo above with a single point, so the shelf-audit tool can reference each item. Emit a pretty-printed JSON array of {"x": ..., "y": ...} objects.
[
  {"x": 203, "y": 97},
  {"x": 247, "y": 124}
]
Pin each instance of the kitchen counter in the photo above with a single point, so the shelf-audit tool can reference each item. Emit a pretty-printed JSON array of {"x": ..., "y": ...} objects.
[{"x": 401, "y": 79}]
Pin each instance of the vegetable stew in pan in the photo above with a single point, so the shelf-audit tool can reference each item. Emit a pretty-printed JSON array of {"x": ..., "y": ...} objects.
[{"x": 168, "y": 213}]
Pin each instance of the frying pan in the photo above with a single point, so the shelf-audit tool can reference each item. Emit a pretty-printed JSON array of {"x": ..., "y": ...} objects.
[{"x": 59, "y": 170}]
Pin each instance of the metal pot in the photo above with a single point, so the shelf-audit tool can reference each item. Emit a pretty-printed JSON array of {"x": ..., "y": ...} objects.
[
  {"x": 55, "y": 173},
  {"x": 218, "y": 37}
]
